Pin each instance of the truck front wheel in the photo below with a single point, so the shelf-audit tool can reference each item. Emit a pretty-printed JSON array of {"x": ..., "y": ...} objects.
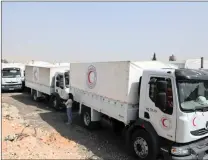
[
  {"x": 55, "y": 103},
  {"x": 143, "y": 145}
]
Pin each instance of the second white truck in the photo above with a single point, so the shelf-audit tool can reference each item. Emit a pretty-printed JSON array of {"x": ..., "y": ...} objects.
[
  {"x": 48, "y": 81},
  {"x": 163, "y": 110}
]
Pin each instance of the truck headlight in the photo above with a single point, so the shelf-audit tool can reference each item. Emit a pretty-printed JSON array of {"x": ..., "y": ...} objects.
[{"x": 180, "y": 151}]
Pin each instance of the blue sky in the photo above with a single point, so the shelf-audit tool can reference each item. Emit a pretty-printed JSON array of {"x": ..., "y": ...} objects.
[{"x": 103, "y": 31}]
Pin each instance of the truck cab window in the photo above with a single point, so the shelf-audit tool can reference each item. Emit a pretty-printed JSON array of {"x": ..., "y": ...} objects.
[
  {"x": 11, "y": 73},
  {"x": 61, "y": 81},
  {"x": 169, "y": 93},
  {"x": 66, "y": 75}
]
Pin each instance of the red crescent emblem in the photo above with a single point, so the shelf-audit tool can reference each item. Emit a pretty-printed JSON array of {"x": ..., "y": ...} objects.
[
  {"x": 163, "y": 122},
  {"x": 89, "y": 76},
  {"x": 193, "y": 122}
]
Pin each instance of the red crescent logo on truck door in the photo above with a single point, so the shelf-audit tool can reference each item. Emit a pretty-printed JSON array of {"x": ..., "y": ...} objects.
[
  {"x": 91, "y": 76},
  {"x": 165, "y": 123}
]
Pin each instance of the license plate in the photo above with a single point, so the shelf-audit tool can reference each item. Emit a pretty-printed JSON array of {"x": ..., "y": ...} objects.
[{"x": 11, "y": 89}]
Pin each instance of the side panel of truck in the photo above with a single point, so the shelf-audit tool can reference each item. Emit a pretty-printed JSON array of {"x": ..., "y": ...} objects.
[
  {"x": 109, "y": 79},
  {"x": 38, "y": 78},
  {"x": 41, "y": 78},
  {"x": 108, "y": 92}
]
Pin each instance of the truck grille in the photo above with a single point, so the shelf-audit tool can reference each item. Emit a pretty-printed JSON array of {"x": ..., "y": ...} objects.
[
  {"x": 199, "y": 132},
  {"x": 11, "y": 85},
  {"x": 11, "y": 82}
]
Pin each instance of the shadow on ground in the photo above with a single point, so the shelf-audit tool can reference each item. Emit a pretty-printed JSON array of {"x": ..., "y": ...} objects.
[{"x": 102, "y": 143}]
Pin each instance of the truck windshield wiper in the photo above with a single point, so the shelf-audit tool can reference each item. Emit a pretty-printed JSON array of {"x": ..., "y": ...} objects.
[
  {"x": 200, "y": 108},
  {"x": 197, "y": 108}
]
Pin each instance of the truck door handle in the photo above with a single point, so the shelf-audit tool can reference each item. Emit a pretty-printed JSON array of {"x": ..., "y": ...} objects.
[{"x": 146, "y": 115}]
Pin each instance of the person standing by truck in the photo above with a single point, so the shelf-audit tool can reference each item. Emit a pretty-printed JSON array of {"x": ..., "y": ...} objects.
[{"x": 68, "y": 104}]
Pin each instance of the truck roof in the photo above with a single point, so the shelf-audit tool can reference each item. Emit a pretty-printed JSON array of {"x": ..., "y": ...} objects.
[
  {"x": 45, "y": 65},
  {"x": 153, "y": 65},
  {"x": 194, "y": 74},
  {"x": 13, "y": 65},
  {"x": 190, "y": 63}
]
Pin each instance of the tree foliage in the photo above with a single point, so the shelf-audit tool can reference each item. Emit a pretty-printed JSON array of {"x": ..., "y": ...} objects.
[
  {"x": 154, "y": 57},
  {"x": 172, "y": 58},
  {"x": 4, "y": 61}
]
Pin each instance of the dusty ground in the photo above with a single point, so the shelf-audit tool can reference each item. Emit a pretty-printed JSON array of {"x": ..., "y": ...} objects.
[
  {"x": 22, "y": 141},
  {"x": 31, "y": 130}
]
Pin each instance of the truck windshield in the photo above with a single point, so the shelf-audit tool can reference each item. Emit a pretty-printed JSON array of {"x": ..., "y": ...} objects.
[
  {"x": 193, "y": 95},
  {"x": 66, "y": 75},
  {"x": 11, "y": 73}
]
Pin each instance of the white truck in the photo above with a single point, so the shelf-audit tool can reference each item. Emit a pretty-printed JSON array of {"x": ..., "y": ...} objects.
[
  {"x": 12, "y": 76},
  {"x": 48, "y": 81},
  {"x": 163, "y": 111}
]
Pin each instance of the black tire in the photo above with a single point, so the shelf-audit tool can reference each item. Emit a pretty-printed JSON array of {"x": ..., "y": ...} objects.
[
  {"x": 142, "y": 140},
  {"x": 86, "y": 119},
  {"x": 118, "y": 127},
  {"x": 55, "y": 102},
  {"x": 34, "y": 96}
]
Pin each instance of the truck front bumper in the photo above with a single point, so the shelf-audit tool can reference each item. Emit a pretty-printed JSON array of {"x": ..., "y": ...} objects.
[
  {"x": 11, "y": 87},
  {"x": 199, "y": 151}
]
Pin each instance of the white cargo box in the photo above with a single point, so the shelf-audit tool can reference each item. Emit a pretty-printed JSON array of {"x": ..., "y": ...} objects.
[
  {"x": 41, "y": 77},
  {"x": 114, "y": 80},
  {"x": 110, "y": 87}
]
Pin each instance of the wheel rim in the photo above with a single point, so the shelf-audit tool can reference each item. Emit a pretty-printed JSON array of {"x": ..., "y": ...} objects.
[
  {"x": 35, "y": 96},
  {"x": 54, "y": 102},
  {"x": 86, "y": 119},
  {"x": 141, "y": 147}
]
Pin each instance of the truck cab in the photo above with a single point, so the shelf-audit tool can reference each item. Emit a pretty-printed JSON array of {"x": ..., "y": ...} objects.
[
  {"x": 12, "y": 77},
  {"x": 172, "y": 115},
  {"x": 62, "y": 89},
  {"x": 62, "y": 84}
]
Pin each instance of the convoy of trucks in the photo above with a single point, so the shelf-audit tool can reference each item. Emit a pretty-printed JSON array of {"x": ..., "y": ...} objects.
[
  {"x": 161, "y": 109},
  {"x": 13, "y": 77}
]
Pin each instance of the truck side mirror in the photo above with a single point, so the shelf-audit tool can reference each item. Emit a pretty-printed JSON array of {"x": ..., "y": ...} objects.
[
  {"x": 57, "y": 84},
  {"x": 57, "y": 78},
  {"x": 161, "y": 100},
  {"x": 162, "y": 86}
]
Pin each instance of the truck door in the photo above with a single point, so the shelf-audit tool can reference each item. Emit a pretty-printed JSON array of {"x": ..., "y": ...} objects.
[
  {"x": 62, "y": 85},
  {"x": 59, "y": 84},
  {"x": 163, "y": 120}
]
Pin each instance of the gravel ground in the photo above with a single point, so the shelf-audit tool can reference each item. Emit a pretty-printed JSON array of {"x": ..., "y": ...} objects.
[{"x": 46, "y": 128}]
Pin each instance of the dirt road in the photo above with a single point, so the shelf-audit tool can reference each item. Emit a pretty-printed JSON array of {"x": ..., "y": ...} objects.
[{"x": 32, "y": 130}]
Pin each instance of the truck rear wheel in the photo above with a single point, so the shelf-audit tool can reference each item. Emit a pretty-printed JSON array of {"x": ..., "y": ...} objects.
[
  {"x": 86, "y": 119},
  {"x": 143, "y": 145},
  {"x": 34, "y": 95}
]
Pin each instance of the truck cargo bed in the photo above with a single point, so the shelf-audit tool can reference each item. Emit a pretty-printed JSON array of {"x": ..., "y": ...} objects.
[
  {"x": 109, "y": 87},
  {"x": 41, "y": 77}
]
